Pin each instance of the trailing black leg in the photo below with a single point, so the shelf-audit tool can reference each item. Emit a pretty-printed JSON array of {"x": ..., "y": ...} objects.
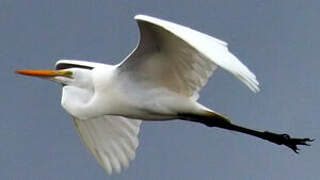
[
  {"x": 280, "y": 139},
  {"x": 220, "y": 121}
]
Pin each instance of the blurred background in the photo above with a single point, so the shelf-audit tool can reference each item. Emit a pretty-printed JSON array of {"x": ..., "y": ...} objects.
[{"x": 277, "y": 40}]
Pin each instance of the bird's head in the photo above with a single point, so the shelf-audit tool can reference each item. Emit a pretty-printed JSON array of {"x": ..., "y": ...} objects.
[
  {"x": 78, "y": 87},
  {"x": 65, "y": 74}
]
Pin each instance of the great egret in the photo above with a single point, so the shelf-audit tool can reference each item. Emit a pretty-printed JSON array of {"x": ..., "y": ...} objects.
[{"x": 159, "y": 80}]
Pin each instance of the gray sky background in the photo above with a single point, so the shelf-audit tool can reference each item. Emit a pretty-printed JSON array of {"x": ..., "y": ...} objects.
[{"x": 278, "y": 40}]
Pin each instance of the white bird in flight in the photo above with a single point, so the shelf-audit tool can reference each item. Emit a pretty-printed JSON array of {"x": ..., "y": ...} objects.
[{"x": 159, "y": 80}]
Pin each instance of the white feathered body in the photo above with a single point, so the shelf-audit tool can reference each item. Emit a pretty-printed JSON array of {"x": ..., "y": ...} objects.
[
  {"x": 124, "y": 95},
  {"x": 159, "y": 80}
]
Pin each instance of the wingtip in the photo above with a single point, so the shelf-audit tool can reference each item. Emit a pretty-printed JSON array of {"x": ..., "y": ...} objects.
[
  {"x": 250, "y": 81},
  {"x": 255, "y": 88}
]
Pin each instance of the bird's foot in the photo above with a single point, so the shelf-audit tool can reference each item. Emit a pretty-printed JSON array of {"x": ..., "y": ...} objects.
[{"x": 285, "y": 139}]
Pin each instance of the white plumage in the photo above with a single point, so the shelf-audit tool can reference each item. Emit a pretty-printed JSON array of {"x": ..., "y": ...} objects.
[
  {"x": 159, "y": 80},
  {"x": 186, "y": 58},
  {"x": 168, "y": 55},
  {"x": 112, "y": 140}
]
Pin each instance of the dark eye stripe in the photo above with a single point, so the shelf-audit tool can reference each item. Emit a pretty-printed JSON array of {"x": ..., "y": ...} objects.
[{"x": 67, "y": 65}]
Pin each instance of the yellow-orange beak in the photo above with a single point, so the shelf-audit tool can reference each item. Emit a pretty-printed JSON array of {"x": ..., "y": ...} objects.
[{"x": 45, "y": 73}]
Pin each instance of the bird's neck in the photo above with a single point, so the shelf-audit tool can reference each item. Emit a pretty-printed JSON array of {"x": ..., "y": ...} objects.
[{"x": 75, "y": 101}]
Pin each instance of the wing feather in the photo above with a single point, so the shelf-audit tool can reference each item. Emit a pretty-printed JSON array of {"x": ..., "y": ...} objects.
[
  {"x": 112, "y": 140},
  {"x": 180, "y": 58}
]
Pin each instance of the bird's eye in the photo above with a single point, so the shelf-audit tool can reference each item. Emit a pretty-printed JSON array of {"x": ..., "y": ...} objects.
[{"x": 69, "y": 74}]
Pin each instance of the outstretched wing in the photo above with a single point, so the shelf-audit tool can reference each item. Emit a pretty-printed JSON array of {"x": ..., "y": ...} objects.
[
  {"x": 180, "y": 58},
  {"x": 112, "y": 140}
]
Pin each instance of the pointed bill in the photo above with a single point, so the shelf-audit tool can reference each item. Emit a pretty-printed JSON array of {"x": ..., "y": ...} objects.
[{"x": 44, "y": 73}]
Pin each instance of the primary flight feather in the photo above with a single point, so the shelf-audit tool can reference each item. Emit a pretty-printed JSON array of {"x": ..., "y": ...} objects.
[{"x": 159, "y": 80}]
